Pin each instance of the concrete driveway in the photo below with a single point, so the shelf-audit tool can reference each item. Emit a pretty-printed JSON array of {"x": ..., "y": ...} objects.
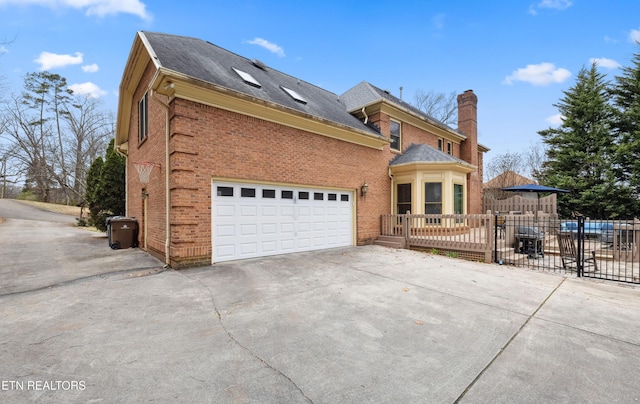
[{"x": 350, "y": 325}]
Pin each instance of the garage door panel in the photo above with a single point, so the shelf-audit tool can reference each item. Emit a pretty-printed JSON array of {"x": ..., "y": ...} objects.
[
  {"x": 225, "y": 251},
  {"x": 248, "y": 211},
  {"x": 269, "y": 211},
  {"x": 269, "y": 246},
  {"x": 225, "y": 210},
  {"x": 269, "y": 228},
  {"x": 226, "y": 230},
  {"x": 257, "y": 220},
  {"x": 249, "y": 248}
]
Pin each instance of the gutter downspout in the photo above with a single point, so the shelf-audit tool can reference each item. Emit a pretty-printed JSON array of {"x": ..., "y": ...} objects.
[
  {"x": 391, "y": 196},
  {"x": 366, "y": 117},
  {"x": 167, "y": 241}
]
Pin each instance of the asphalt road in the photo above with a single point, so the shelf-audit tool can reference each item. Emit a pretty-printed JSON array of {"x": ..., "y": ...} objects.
[
  {"x": 11, "y": 209},
  {"x": 39, "y": 249}
]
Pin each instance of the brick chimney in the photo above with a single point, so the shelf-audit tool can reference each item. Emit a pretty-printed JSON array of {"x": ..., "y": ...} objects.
[{"x": 468, "y": 124}]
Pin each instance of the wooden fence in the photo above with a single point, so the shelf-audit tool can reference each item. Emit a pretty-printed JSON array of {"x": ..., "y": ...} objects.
[
  {"x": 517, "y": 203},
  {"x": 463, "y": 236}
]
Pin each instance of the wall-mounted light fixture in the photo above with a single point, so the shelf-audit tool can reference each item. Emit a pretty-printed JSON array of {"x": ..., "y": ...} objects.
[{"x": 363, "y": 189}]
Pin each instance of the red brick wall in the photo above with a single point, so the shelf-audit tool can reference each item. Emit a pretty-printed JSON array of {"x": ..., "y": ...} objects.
[
  {"x": 152, "y": 149},
  {"x": 468, "y": 124},
  {"x": 208, "y": 142}
]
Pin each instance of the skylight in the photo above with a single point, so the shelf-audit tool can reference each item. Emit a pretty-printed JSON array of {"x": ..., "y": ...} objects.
[
  {"x": 247, "y": 78},
  {"x": 294, "y": 95}
]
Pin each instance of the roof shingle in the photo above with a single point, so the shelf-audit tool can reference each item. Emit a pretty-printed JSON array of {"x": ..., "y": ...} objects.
[{"x": 207, "y": 62}]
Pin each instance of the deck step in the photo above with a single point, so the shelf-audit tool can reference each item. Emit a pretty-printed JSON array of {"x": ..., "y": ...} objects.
[{"x": 390, "y": 241}]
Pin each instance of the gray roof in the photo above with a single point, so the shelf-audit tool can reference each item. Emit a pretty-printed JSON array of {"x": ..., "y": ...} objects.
[
  {"x": 422, "y": 153},
  {"x": 207, "y": 62},
  {"x": 366, "y": 93}
]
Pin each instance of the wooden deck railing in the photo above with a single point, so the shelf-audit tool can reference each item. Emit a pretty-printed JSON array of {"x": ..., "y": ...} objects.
[{"x": 456, "y": 233}]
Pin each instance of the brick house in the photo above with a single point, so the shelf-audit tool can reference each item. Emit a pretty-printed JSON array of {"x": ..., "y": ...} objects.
[{"x": 248, "y": 161}]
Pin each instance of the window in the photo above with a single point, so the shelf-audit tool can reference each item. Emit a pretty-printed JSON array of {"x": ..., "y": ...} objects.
[
  {"x": 286, "y": 195},
  {"x": 143, "y": 117},
  {"x": 248, "y": 192},
  {"x": 440, "y": 142},
  {"x": 458, "y": 199},
  {"x": 293, "y": 94},
  {"x": 449, "y": 148},
  {"x": 332, "y": 197},
  {"x": 303, "y": 195},
  {"x": 344, "y": 198},
  {"x": 247, "y": 78},
  {"x": 318, "y": 196},
  {"x": 433, "y": 198},
  {"x": 225, "y": 191},
  {"x": 404, "y": 198},
  {"x": 269, "y": 193},
  {"x": 394, "y": 133}
]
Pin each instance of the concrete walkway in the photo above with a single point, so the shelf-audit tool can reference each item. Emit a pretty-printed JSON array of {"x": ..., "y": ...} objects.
[{"x": 351, "y": 325}]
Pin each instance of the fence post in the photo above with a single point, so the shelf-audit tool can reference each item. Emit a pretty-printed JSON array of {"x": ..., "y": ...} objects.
[
  {"x": 580, "y": 258},
  {"x": 406, "y": 228},
  {"x": 495, "y": 237}
]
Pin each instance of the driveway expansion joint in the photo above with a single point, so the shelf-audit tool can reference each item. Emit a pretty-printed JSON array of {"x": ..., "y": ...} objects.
[
  {"x": 513, "y": 337},
  {"x": 239, "y": 344}
]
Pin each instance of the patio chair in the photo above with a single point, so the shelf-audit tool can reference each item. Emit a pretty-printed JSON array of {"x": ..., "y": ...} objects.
[{"x": 569, "y": 253}]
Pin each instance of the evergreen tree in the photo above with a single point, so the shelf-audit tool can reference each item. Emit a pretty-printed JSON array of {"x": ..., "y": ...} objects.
[
  {"x": 93, "y": 185},
  {"x": 626, "y": 98},
  {"x": 105, "y": 194},
  {"x": 581, "y": 152}
]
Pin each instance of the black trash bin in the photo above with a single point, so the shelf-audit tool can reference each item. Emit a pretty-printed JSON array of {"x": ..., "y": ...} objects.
[{"x": 122, "y": 232}]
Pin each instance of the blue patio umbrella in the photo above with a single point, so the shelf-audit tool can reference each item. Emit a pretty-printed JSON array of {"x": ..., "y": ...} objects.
[{"x": 534, "y": 188}]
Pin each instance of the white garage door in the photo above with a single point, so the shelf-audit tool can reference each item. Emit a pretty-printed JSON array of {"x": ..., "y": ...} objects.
[{"x": 259, "y": 220}]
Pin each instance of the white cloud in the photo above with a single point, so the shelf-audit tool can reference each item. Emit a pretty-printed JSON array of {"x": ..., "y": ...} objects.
[
  {"x": 552, "y": 4},
  {"x": 99, "y": 8},
  {"x": 555, "y": 120},
  {"x": 634, "y": 35},
  {"x": 50, "y": 60},
  {"x": 271, "y": 47},
  {"x": 606, "y": 63},
  {"x": 92, "y": 68},
  {"x": 539, "y": 75},
  {"x": 3, "y": 50},
  {"x": 87, "y": 89}
]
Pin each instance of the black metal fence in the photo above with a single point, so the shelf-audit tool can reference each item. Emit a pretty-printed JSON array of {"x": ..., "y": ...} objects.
[{"x": 604, "y": 249}]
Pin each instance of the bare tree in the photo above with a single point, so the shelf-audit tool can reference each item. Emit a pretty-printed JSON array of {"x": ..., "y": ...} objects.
[
  {"x": 534, "y": 159},
  {"x": 89, "y": 133},
  {"x": 48, "y": 94},
  {"x": 30, "y": 143},
  {"x": 8, "y": 172},
  {"x": 505, "y": 171},
  {"x": 440, "y": 106},
  {"x": 55, "y": 136}
]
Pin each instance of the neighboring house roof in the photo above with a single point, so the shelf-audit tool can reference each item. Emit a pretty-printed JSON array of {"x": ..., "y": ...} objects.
[
  {"x": 422, "y": 153},
  {"x": 507, "y": 179},
  {"x": 209, "y": 63}
]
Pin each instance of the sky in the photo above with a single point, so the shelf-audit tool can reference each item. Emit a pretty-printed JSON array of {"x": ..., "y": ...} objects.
[{"x": 517, "y": 56}]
